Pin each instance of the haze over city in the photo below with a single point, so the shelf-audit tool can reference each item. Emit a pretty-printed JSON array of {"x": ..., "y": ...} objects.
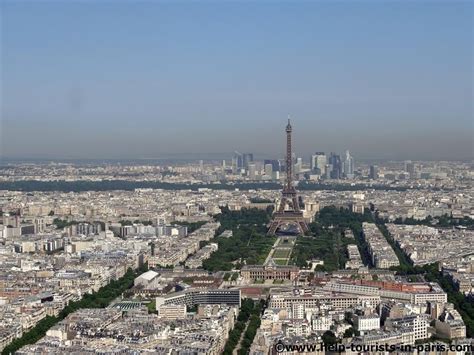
[{"x": 389, "y": 80}]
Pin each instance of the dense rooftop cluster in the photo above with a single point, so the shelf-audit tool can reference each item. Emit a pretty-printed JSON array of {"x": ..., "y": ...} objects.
[{"x": 366, "y": 274}]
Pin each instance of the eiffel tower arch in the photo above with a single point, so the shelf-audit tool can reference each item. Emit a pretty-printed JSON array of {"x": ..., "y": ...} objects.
[{"x": 289, "y": 211}]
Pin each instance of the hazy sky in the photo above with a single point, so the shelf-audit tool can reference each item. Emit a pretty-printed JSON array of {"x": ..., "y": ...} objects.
[{"x": 145, "y": 79}]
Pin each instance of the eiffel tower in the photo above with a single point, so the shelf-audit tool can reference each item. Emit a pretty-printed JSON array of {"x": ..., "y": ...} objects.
[{"x": 289, "y": 211}]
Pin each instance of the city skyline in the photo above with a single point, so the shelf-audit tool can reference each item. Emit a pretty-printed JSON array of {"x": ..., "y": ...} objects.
[
  {"x": 236, "y": 177},
  {"x": 385, "y": 81}
]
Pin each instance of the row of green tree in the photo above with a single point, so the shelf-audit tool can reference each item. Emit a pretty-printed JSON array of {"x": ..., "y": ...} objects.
[
  {"x": 463, "y": 304},
  {"x": 99, "y": 299},
  {"x": 403, "y": 259},
  {"x": 231, "y": 276},
  {"x": 239, "y": 326},
  {"x": 440, "y": 221},
  {"x": 192, "y": 226},
  {"x": 62, "y": 223},
  {"x": 432, "y": 273},
  {"x": 260, "y": 200},
  {"x": 249, "y": 313},
  {"x": 127, "y": 222},
  {"x": 248, "y": 243},
  {"x": 252, "y": 326}
]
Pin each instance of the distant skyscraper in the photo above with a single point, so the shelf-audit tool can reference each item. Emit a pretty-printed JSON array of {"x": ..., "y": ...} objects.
[
  {"x": 312, "y": 163},
  {"x": 237, "y": 162},
  {"x": 406, "y": 164},
  {"x": 275, "y": 164},
  {"x": 318, "y": 162},
  {"x": 327, "y": 171},
  {"x": 268, "y": 170},
  {"x": 247, "y": 158},
  {"x": 411, "y": 169},
  {"x": 252, "y": 171},
  {"x": 373, "y": 172},
  {"x": 335, "y": 161},
  {"x": 349, "y": 165}
]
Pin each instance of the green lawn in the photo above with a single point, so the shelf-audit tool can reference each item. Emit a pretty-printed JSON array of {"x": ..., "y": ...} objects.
[{"x": 281, "y": 253}]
